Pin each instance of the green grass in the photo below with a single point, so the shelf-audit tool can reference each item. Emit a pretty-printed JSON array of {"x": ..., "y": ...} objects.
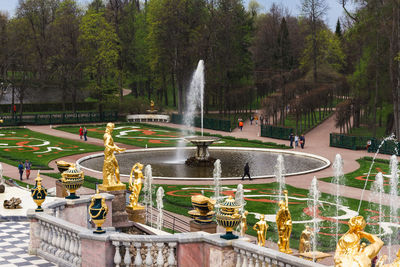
[
  {"x": 157, "y": 136},
  {"x": 262, "y": 204},
  {"x": 18, "y": 144},
  {"x": 290, "y": 122},
  {"x": 357, "y": 178},
  {"x": 365, "y": 131}
]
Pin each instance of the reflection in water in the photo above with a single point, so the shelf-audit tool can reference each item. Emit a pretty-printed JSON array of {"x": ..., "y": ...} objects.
[{"x": 164, "y": 164}]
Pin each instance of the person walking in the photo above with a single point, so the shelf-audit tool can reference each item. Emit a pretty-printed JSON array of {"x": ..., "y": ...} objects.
[
  {"x": 241, "y": 125},
  {"x": 291, "y": 139},
  {"x": 28, "y": 166},
  {"x": 251, "y": 119},
  {"x": 302, "y": 141},
  {"x": 21, "y": 170},
  {"x": 261, "y": 119},
  {"x": 296, "y": 140},
  {"x": 246, "y": 171},
  {"x": 85, "y": 133},
  {"x": 80, "y": 132}
]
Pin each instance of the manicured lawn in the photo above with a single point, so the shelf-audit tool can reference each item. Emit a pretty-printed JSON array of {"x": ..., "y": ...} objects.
[
  {"x": 290, "y": 122},
  {"x": 263, "y": 200},
  {"x": 143, "y": 135},
  {"x": 19, "y": 144},
  {"x": 358, "y": 177}
]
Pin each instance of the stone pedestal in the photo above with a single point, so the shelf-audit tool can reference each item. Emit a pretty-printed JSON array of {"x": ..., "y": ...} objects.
[
  {"x": 119, "y": 215},
  {"x": 205, "y": 227},
  {"x": 61, "y": 191},
  {"x": 136, "y": 215}
]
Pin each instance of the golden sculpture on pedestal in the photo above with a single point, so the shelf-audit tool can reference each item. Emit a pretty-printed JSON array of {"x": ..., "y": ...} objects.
[
  {"x": 243, "y": 224},
  {"x": 305, "y": 240},
  {"x": 204, "y": 209},
  {"x": 261, "y": 227},
  {"x": 284, "y": 224},
  {"x": 151, "y": 105},
  {"x": 111, "y": 167},
  {"x": 395, "y": 263},
  {"x": 135, "y": 185},
  {"x": 349, "y": 251}
]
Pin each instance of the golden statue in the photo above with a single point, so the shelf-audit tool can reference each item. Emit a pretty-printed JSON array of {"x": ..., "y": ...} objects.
[
  {"x": 135, "y": 186},
  {"x": 111, "y": 167},
  {"x": 349, "y": 251},
  {"x": 243, "y": 224},
  {"x": 284, "y": 224},
  {"x": 305, "y": 240},
  {"x": 151, "y": 105},
  {"x": 261, "y": 227}
]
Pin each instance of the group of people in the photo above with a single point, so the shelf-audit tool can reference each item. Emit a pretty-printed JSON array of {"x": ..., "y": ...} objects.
[
  {"x": 24, "y": 167},
  {"x": 297, "y": 140},
  {"x": 83, "y": 133}
]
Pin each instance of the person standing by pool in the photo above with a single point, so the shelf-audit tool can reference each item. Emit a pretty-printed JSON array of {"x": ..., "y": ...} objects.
[
  {"x": 21, "y": 170},
  {"x": 246, "y": 171},
  {"x": 291, "y": 139},
  {"x": 85, "y": 133},
  {"x": 28, "y": 166},
  {"x": 302, "y": 141}
]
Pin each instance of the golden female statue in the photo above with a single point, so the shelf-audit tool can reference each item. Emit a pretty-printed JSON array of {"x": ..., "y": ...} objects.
[
  {"x": 243, "y": 224},
  {"x": 305, "y": 240},
  {"x": 111, "y": 167},
  {"x": 349, "y": 251},
  {"x": 261, "y": 227},
  {"x": 284, "y": 224},
  {"x": 135, "y": 186}
]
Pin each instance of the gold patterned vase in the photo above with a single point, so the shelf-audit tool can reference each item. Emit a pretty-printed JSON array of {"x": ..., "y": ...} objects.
[
  {"x": 63, "y": 165},
  {"x": 203, "y": 212},
  {"x": 38, "y": 193},
  {"x": 228, "y": 217},
  {"x": 72, "y": 179},
  {"x": 98, "y": 211}
]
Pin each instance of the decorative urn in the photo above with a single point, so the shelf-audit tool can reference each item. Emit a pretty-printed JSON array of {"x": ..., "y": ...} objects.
[
  {"x": 38, "y": 193},
  {"x": 98, "y": 211},
  {"x": 63, "y": 165},
  {"x": 228, "y": 217},
  {"x": 72, "y": 179},
  {"x": 203, "y": 212}
]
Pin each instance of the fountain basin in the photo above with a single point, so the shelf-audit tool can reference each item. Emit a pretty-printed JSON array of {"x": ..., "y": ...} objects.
[
  {"x": 233, "y": 159},
  {"x": 202, "y": 156}
]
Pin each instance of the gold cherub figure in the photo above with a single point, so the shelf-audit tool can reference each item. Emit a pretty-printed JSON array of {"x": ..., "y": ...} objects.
[
  {"x": 243, "y": 224},
  {"x": 110, "y": 166},
  {"x": 284, "y": 224},
  {"x": 135, "y": 185},
  {"x": 305, "y": 240},
  {"x": 261, "y": 227},
  {"x": 349, "y": 251}
]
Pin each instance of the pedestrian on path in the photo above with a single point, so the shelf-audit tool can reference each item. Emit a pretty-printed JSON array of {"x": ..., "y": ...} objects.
[
  {"x": 246, "y": 171},
  {"x": 241, "y": 125},
  {"x": 85, "y": 133},
  {"x": 251, "y": 119},
  {"x": 28, "y": 166},
  {"x": 261, "y": 119},
  {"x": 21, "y": 170},
  {"x": 291, "y": 139},
  {"x": 256, "y": 119},
  {"x": 80, "y": 132},
  {"x": 302, "y": 141},
  {"x": 296, "y": 140}
]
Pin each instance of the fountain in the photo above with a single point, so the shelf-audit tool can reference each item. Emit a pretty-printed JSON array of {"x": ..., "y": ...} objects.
[
  {"x": 377, "y": 192},
  {"x": 160, "y": 206},
  {"x": 202, "y": 156},
  {"x": 313, "y": 203},
  {"x": 337, "y": 180},
  {"x": 217, "y": 176},
  {"x": 279, "y": 172},
  {"x": 2, "y": 186},
  {"x": 393, "y": 203},
  {"x": 239, "y": 196},
  {"x": 148, "y": 192}
]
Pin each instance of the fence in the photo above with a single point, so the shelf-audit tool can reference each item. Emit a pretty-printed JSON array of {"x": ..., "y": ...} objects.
[
  {"x": 208, "y": 123},
  {"x": 61, "y": 118},
  {"x": 276, "y": 132},
  {"x": 389, "y": 147},
  {"x": 42, "y": 107},
  {"x": 347, "y": 141}
]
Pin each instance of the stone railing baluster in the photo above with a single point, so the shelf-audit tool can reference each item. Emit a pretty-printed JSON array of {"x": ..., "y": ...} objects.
[
  {"x": 160, "y": 256},
  {"x": 117, "y": 256},
  {"x": 149, "y": 258},
  {"x": 66, "y": 247},
  {"x": 250, "y": 257},
  {"x": 257, "y": 260},
  {"x": 138, "y": 258},
  {"x": 244, "y": 256},
  {"x": 171, "y": 254},
  {"x": 238, "y": 259},
  {"x": 127, "y": 257}
]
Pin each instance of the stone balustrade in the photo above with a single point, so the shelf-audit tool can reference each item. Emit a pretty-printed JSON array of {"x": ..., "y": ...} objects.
[
  {"x": 147, "y": 117},
  {"x": 141, "y": 250},
  {"x": 251, "y": 255}
]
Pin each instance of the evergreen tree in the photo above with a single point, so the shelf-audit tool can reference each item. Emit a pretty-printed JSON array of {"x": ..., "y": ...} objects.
[{"x": 338, "y": 30}]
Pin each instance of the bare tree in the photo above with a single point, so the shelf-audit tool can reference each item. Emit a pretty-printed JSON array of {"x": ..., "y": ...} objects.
[{"x": 314, "y": 10}]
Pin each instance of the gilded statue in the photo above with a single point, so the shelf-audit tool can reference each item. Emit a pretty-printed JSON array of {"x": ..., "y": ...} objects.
[
  {"x": 261, "y": 227},
  {"x": 395, "y": 263},
  {"x": 135, "y": 185},
  {"x": 111, "y": 167},
  {"x": 349, "y": 251},
  {"x": 151, "y": 105},
  {"x": 243, "y": 224},
  {"x": 305, "y": 240},
  {"x": 284, "y": 224}
]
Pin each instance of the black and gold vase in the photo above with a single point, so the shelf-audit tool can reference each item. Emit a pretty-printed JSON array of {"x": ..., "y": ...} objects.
[
  {"x": 63, "y": 165},
  {"x": 228, "y": 217},
  {"x": 72, "y": 179},
  {"x": 98, "y": 211},
  {"x": 38, "y": 193}
]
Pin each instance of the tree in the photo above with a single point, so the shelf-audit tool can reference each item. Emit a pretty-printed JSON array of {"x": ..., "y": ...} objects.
[
  {"x": 100, "y": 50},
  {"x": 338, "y": 30},
  {"x": 314, "y": 11}
]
